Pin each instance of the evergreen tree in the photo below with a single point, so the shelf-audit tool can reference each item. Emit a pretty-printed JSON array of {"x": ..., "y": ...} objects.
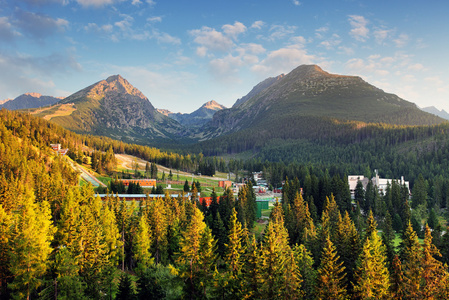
[
  {"x": 330, "y": 274},
  {"x": 234, "y": 255},
  {"x": 125, "y": 289},
  {"x": 388, "y": 237},
  {"x": 186, "y": 186},
  {"x": 5, "y": 224},
  {"x": 195, "y": 254},
  {"x": 31, "y": 235},
  {"x": 158, "y": 222},
  {"x": 410, "y": 255},
  {"x": 434, "y": 275},
  {"x": 372, "y": 276},
  {"x": 304, "y": 262},
  {"x": 419, "y": 194},
  {"x": 397, "y": 279},
  {"x": 142, "y": 245}
]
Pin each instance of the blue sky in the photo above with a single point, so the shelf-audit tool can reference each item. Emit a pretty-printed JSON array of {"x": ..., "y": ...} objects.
[{"x": 181, "y": 54}]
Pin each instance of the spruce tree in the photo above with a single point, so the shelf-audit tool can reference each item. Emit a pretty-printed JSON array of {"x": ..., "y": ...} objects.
[
  {"x": 125, "y": 289},
  {"x": 142, "y": 245},
  {"x": 372, "y": 280},
  {"x": 331, "y": 274},
  {"x": 30, "y": 248},
  {"x": 304, "y": 262}
]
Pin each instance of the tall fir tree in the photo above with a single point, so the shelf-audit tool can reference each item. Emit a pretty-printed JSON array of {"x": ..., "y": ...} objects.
[
  {"x": 331, "y": 274},
  {"x": 31, "y": 235},
  {"x": 372, "y": 280}
]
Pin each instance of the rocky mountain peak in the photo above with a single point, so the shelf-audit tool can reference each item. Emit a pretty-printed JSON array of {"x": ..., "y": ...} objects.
[{"x": 213, "y": 105}]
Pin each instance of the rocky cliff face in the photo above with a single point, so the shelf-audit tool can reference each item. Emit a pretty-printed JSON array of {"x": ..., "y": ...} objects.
[{"x": 115, "y": 108}]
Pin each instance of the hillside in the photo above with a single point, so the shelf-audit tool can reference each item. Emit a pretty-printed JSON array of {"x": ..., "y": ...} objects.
[
  {"x": 114, "y": 108},
  {"x": 29, "y": 100},
  {"x": 310, "y": 91},
  {"x": 308, "y": 103}
]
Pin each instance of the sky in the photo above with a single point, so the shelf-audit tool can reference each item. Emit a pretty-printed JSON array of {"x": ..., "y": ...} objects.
[{"x": 181, "y": 54}]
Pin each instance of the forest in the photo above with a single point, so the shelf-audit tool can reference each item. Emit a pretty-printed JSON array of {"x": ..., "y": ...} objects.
[{"x": 59, "y": 241}]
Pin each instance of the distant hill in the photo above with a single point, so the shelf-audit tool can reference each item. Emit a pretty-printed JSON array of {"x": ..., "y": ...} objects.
[
  {"x": 29, "y": 100},
  {"x": 308, "y": 103},
  {"x": 114, "y": 108},
  {"x": 440, "y": 113},
  {"x": 197, "y": 118}
]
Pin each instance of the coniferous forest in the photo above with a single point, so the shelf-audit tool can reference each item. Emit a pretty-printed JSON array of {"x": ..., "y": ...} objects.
[{"x": 59, "y": 241}]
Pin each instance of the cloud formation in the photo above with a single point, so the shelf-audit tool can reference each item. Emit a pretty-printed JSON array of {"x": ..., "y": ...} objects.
[
  {"x": 37, "y": 25},
  {"x": 359, "y": 30}
]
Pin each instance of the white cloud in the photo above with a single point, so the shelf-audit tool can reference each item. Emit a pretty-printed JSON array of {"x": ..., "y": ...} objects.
[
  {"x": 416, "y": 67},
  {"x": 234, "y": 30},
  {"x": 226, "y": 69},
  {"x": 345, "y": 50},
  {"x": 95, "y": 3},
  {"x": 38, "y": 25},
  {"x": 299, "y": 40},
  {"x": 107, "y": 28},
  {"x": 283, "y": 61},
  {"x": 253, "y": 48},
  {"x": 296, "y": 2},
  {"x": 257, "y": 25},
  {"x": 7, "y": 32},
  {"x": 154, "y": 19},
  {"x": 359, "y": 30},
  {"x": 211, "y": 40},
  {"x": 332, "y": 42},
  {"x": 382, "y": 34},
  {"x": 28, "y": 73},
  {"x": 278, "y": 32},
  {"x": 402, "y": 40}
]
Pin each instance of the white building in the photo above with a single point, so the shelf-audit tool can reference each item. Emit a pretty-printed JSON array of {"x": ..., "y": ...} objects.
[{"x": 381, "y": 183}]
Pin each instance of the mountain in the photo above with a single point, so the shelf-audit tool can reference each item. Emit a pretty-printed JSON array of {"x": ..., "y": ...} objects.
[
  {"x": 310, "y": 92},
  {"x": 433, "y": 110},
  {"x": 29, "y": 100},
  {"x": 114, "y": 108},
  {"x": 258, "y": 88},
  {"x": 197, "y": 118},
  {"x": 4, "y": 101}
]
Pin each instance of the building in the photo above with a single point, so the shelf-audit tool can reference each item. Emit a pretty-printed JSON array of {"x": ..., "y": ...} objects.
[
  {"x": 57, "y": 148},
  {"x": 380, "y": 183},
  {"x": 225, "y": 184},
  {"x": 146, "y": 183}
]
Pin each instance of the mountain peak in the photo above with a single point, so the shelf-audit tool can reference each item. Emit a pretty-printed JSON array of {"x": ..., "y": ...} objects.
[
  {"x": 213, "y": 105},
  {"x": 113, "y": 78}
]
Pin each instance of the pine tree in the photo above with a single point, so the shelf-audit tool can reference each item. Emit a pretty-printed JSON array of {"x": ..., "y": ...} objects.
[
  {"x": 304, "y": 261},
  {"x": 142, "y": 245},
  {"x": 348, "y": 246},
  {"x": 190, "y": 260},
  {"x": 158, "y": 222},
  {"x": 251, "y": 271},
  {"x": 388, "y": 237},
  {"x": 372, "y": 276},
  {"x": 371, "y": 225},
  {"x": 31, "y": 236},
  {"x": 434, "y": 274},
  {"x": 5, "y": 235},
  {"x": 410, "y": 255},
  {"x": 274, "y": 254},
  {"x": 234, "y": 255},
  {"x": 331, "y": 274},
  {"x": 125, "y": 289},
  {"x": 397, "y": 279}
]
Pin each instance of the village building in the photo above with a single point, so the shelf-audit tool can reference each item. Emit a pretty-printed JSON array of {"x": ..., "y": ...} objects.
[{"x": 380, "y": 183}]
